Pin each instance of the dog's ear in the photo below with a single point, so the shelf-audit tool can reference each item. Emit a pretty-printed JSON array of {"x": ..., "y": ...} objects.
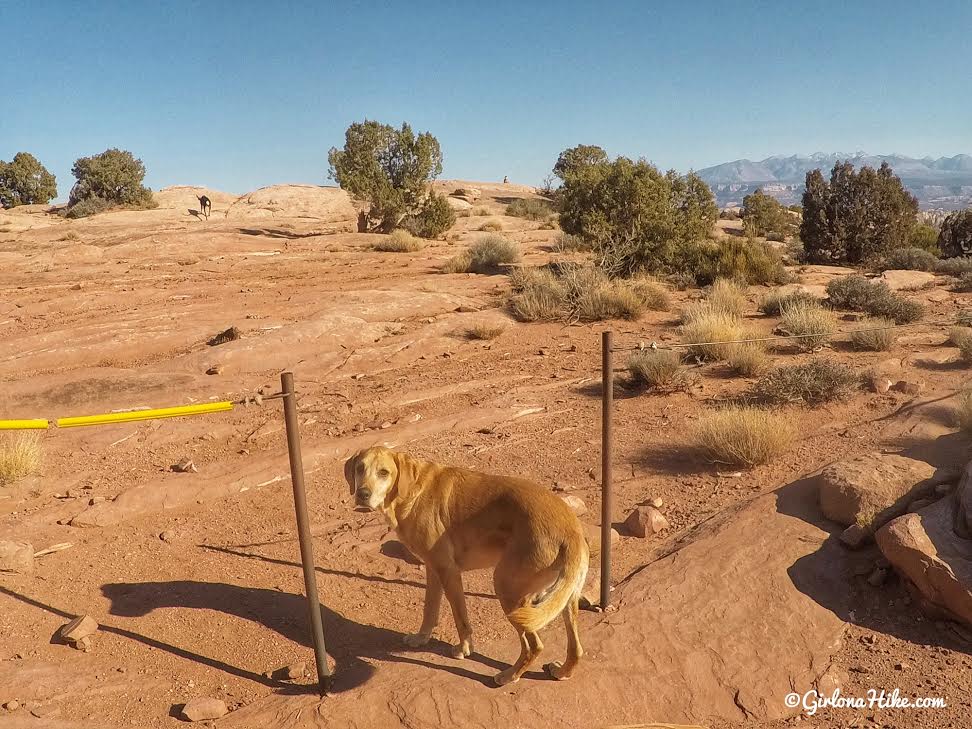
[
  {"x": 349, "y": 466},
  {"x": 405, "y": 480}
]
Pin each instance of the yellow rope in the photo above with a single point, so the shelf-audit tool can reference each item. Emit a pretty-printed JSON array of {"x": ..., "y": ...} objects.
[
  {"x": 176, "y": 412},
  {"x": 23, "y": 424}
]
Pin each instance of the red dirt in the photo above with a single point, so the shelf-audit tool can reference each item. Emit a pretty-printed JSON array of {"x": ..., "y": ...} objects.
[{"x": 378, "y": 345}]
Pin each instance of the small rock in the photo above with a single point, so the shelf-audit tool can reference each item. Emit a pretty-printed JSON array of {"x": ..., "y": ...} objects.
[
  {"x": 854, "y": 536},
  {"x": 83, "y": 645},
  {"x": 42, "y": 712},
  {"x": 901, "y": 666},
  {"x": 81, "y": 627},
  {"x": 289, "y": 673},
  {"x": 95, "y": 500},
  {"x": 878, "y": 577},
  {"x": 75, "y": 493},
  {"x": 168, "y": 536},
  {"x": 657, "y": 503},
  {"x": 592, "y": 533},
  {"x": 215, "y": 369},
  {"x": 385, "y": 425},
  {"x": 560, "y": 486},
  {"x": 77, "y": 287},
  {"x": 908, "y": 388},
  {"x": 227, "y": 335},
  {"x": 880, "y": 385},
  {"x": 645, "y": 521},
  {"x": 185, "y": 466},
  {"x": 12, "y": 705},
  {"x": 575, "y": 503},
  {"x": 203, "y": 709},
  {"x": 16, "y": 557}
]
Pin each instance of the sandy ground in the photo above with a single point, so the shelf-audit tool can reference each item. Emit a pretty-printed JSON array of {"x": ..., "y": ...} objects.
[{"x": 114, "y": 312}]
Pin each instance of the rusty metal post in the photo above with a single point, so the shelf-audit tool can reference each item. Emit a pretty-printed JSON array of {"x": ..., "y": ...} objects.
[
  {"x": 607, "y": 406},
  {"x": 303, "y": 529}
]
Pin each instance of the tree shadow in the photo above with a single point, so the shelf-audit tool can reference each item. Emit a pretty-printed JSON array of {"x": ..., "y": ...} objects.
[
  {"x": 278, "y": 233},
  {"x": 351, "y": 644},
  {"x": 935, "y": 366},
  {"x": 677, "y": 459}
]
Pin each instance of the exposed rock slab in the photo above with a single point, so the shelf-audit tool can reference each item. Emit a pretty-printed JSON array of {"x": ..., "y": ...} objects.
[
  {"x": 925, "y": 549},
  {"x": 898, "y": 280},
  {"x": 683, "y": 647}
]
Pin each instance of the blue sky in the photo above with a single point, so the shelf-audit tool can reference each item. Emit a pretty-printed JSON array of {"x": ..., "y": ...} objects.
[{"x": 237, "y": 95}]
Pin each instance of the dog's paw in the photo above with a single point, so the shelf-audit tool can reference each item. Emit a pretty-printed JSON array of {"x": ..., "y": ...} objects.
[
  {"x": 555, "y": 669},
  {"x": 504, "y": 677},
  {"x": 463, "y": 650},
  {"x": 416, "y": 640}
]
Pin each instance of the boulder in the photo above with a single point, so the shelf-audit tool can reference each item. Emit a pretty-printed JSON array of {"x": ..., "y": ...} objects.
[
  {"x": 16, "y": 557},
  {"x": 872, "y": 489},
  {"x": 78, "y": 629},
  {"x": 645, "y": 521},
  {"x": 329, "y": 206},
  {"x": 460, "y": 205},
  {"x": 203, "y": 709},
  {"x": 575, "y": 503},
  {"x": 962, "y": 519},
  {"x": 937, "y": 563},
  {"x": 469, "y": 194},
  {"x": 898, "y": 280}
]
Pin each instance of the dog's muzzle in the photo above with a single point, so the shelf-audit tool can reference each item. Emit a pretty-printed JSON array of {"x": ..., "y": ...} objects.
[{"x": 362, "y": 499}]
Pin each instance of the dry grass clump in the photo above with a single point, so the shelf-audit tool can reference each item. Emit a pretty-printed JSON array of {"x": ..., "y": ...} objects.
[
  {"x": 874, "y": 335},
  {"x": 809, "y": 322},
  {"x": 961, "y": 337},
  {"x": 20, "y": 455},
  {"x": 485, "y": 330},
  {"x": 592, "y": 296},
  {"x": 653, "y": 295},
  {"x": 747, "y": 359},
  {"x": 812, "y": 383},
  {"x": 71, "y": 235},
  {"x": 963, "y": 413},
  {"x": 711, "y": 334},
  {"x": 744, "y": 436},
  {"x": 567, "y": 243},
  {"x": 400, "y": 241},
  {"x": 486, "y": 255},
  {"x": 538, "y": 295},
  {"x": 491, "y": 226},
  {"x": 727, "y": 296},
  {"x": 479, "y": 211},
  {"x": 657, "y": 369},
  {"x": 773, "y": 303}
]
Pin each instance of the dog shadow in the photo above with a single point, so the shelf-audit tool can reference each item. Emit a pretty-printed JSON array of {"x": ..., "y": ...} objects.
[{"x": 352, "y": 645}]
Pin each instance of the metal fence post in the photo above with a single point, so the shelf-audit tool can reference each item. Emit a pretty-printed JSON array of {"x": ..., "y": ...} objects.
[
  {"x": 607, "y": 406},
  {"x": 303, "y": 529}
]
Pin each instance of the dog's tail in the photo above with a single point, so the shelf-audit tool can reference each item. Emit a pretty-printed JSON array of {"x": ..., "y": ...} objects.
[{"x": 538, "y": 609}]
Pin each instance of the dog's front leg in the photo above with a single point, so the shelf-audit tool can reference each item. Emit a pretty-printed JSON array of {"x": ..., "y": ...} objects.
[
  {"x": 430, "y": 616},
  {"x": 451, "y": 579}
]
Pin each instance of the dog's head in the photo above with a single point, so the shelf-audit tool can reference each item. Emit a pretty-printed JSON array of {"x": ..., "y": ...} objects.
[{"x": 376, "y": 476}]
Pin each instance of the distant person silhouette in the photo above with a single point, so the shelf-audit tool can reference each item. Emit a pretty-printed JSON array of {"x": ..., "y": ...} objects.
[
  {"x": 205, "y": 206},
  {"x": 505, "y": 179}
]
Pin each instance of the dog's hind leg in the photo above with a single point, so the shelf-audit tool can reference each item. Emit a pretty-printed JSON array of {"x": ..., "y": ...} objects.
[
  {"x": 556, "y": 669},
  {"x": 530, "y": 648},
  {"x": 430, "y": 616}
]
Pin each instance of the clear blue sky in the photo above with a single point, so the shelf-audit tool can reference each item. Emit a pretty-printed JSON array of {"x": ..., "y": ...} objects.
[{"x": 237, "y": 95}]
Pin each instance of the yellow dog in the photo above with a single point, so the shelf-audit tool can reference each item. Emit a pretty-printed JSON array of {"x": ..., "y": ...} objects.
[{"x": 455, "y": 519}]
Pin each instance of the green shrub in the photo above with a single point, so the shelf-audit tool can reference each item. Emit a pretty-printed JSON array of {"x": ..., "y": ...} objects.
[
  {"x": 954, "y": 266},
  {"x": 391, "y": 169},
  {"x": 434, "y": 218},
  {"x": 925, "y": 237},
  {"x": 897, "y": 308},
  {"x": 86, "y": 207},
  {"x": 657, "y": 369},
  {"x": 579, "y": 292},
  {"x": 773, "y": 302},
  {"x": 874, "y": 335},
  {"x": 529, "y": 208},
  {"x": 567, "y": 243},
  {"x": 812, "y": 383},
  {"x": 955, "y": 238},
  {"x": 752, "y": 261},
  {"x": 874, "y": 298},
  {"x": 764, "y": 215},
  {"x": 25, "y": 181},
  {"x": 114, "y": 176},
  {"x": 964, "y": 284},
  {"x": 809, "y": 323},
  {"x": 744, "y": 436},
  {"x": 400, "y": 241},
  {"x": 910, "y": 259}
]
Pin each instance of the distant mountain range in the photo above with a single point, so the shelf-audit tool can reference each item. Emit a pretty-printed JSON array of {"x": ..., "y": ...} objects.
[{"x": 944, "y": 183}]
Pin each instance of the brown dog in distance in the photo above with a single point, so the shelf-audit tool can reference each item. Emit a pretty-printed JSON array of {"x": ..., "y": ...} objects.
[{"x": 455, "y": 519}]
